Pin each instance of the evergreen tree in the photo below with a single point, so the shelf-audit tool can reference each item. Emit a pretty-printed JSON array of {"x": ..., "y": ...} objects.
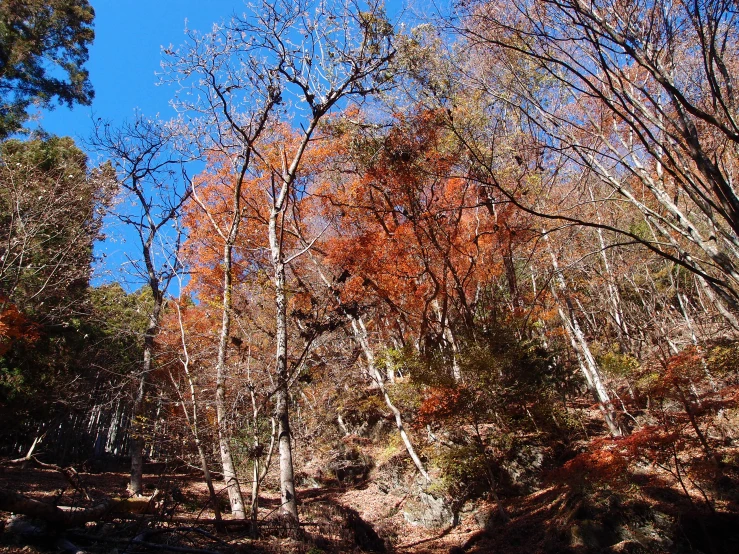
[
  {"x": 43, "y": 46},
  {"x": 51, "y": 209}
]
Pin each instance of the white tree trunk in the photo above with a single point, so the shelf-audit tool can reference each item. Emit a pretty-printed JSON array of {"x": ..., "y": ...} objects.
[
  {"x": 360, "y": 332},
  {"x": 229, "y": 470},
  {"x": 289, "y": 502},
  {"x": 449, "y": 337},
  {"x": 587, "y": 363}
]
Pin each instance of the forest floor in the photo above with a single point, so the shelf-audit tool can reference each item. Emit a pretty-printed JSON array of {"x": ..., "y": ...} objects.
[
  {"x": 334, "y": 519},
  {"x": 362, "y": 518}
]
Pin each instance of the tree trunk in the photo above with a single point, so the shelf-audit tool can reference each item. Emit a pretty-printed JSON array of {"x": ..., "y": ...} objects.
[
  {"x": 282, "y": 412},
  {"x": 229, "y": 471},
  {"x": 719, "y": 304},
  {"x": 136, "y": 431},
  {"x": 580, "y": 345},
  {"x": 209, "y": 482},
  {"x": 449, "y": 338},
  {"x": 590, "y": 370},
  {"x": 360, "y": 332},
  {"x": 136, "y": 444},
  {"x": 614, "y": 295}
]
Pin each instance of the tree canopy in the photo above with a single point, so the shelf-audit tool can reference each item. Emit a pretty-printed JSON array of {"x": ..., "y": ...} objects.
[
  {"x": 43, "y": 49},
  {"x": 484, "y": 263}
]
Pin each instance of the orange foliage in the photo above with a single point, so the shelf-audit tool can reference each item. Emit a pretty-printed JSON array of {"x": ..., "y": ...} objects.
[
  {"x": 439, "y": 403},
  {"x": 14, "y": 325},
  {"x": 203, "y": 250},
  {"x": 609, "y": 460},
  {"x": 408, "y": 230}
]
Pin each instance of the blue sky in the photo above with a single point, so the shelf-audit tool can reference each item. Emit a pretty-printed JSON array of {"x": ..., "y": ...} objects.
[
  {"x": 125, "y": 56},
  {"x": 123, "y": 65},
  {"x": 124, "y": 62}
]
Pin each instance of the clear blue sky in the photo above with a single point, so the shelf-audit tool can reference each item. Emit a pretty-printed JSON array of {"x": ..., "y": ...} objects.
[{"x": 125, "y": 57}]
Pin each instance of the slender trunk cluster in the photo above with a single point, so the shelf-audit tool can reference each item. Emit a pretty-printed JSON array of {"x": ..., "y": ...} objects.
[
  {"x": 193, "y": 422},
  {"x": 580, "y": 345},
  {"x": 360, "y": 333}
]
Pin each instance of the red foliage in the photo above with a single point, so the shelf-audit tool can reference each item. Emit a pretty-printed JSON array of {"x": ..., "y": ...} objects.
[
  {"x": 609, "y": 460},
  {"x": 439, "y": 403},
  {"x": 409, "y": 232},
  {"x": 681, "y": 370},
  {"x": 14, "y": 325}
]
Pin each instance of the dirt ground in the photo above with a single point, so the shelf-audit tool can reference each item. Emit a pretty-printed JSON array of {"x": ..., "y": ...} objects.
[
  {"x": 363, "y": 518},
  {"x": 332, "y": 518}
]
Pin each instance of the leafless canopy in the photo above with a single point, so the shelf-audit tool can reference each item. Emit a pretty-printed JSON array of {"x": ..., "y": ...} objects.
[{"x": 640, "y": 96}]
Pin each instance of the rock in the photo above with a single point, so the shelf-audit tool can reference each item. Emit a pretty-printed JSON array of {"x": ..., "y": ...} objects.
[
  {"x": 428, "y": 511},
  {"x": 391, "y": 476},
  {"x": 349, "y": 466},
  {"x": 589, "y": 534},
  {"x": 484, "y": 518},
  {"x": 524, "y": 468}
]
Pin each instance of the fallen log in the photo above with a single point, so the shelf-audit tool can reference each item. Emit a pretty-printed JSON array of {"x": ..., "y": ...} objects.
[
  {"x": 70, "y": 516},
  {"x": 11, "y": 501},
  {"x": 173, "y": 548},
  {"x": 69, "y": 473}
]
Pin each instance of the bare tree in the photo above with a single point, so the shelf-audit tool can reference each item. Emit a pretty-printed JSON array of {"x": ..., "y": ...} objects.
[
  {"x": 233, "y": 106},
  {"x": 284, "y": 59},
  {"x": 640, "y": 96},
  {"x": 150, "y": 178}
]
